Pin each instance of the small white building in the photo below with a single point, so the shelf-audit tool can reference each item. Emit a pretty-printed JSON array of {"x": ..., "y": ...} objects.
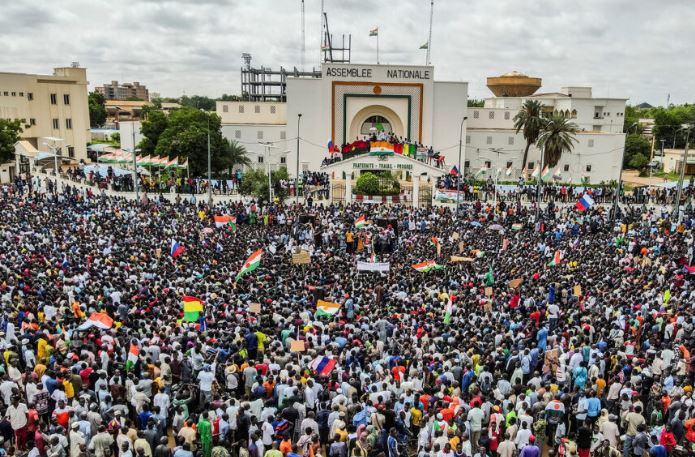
[{"x": 348, "y": 99}]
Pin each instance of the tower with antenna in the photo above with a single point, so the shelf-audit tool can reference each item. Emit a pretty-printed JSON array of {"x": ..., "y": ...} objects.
[
  {"x": 429, "y": 38},
  {"x": 303, "y": 57}
]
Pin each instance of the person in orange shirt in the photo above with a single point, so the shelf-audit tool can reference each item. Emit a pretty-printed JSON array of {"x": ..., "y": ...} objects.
[{"x": 285, "y": 445}]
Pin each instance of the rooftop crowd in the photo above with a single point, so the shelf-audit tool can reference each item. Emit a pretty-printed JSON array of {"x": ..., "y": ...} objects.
[{"x": 567, "y": 335}]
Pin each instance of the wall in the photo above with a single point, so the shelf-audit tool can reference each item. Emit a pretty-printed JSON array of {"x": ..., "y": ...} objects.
[
  {"x": 125, "y": 129},
  {"x": 265, "y": 114},
  {"x": 450, "y": 106},
  {"x": 65, "y": 81},
  {"x": 310, "y": 98},
  {"x": 247, "y": 136}
]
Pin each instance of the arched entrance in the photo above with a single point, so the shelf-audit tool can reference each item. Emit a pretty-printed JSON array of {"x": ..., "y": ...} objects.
[{"x": 369, "y": 117}]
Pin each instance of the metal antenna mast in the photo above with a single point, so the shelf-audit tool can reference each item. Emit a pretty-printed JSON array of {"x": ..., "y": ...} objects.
[
  {"x": 321, "y": 37},
  {"x": 429, "y": 39},
  {"x": 303, "y": 38}
]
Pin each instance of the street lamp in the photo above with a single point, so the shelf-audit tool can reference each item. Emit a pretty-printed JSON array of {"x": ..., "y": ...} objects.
[
  {"x": 458, "y": 182},
  {"x": 616, "y": 199},
  {"x": 54, "y": 151},
  {"x": 684, "y": 164},
  {"x": 497, "y": 173},
  {"x": 209, "y": 168},
  {"x": 296, "y": 175},
  {"x": 268, "y": 146}
]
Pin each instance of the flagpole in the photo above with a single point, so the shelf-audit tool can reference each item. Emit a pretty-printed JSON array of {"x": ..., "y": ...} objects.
[
  {"x": 538, "y": 186},
  {"x": 377, "y": 46}
]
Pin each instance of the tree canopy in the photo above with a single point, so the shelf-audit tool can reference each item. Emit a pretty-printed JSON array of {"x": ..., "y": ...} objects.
[
  {"x": 97, "y": 109},
  {"x": 10, "y": 131}
]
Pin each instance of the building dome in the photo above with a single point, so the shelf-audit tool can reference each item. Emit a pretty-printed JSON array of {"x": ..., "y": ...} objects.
[{"x": 513, "y": 84}]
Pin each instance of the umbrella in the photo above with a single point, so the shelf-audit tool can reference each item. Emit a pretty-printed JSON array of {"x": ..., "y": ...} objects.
[
  {"x": 475, "y": 223},
  {"x": 208, "y": 230},
  {"x": 497, "y": 228}
]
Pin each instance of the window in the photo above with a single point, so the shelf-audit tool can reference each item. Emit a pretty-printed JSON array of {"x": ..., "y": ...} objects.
[
  {"x": 476, "y": 114},
  {"x": 66, "y": 99},
  {"x": 488, "y": 164},
  {"x": 574, "y": 114},
  {"x": 68, "y": 123},
  {"x": 21, "y": 94},
  {"x": 237, "y": 134},
  {"x": 260, "y": 159},
  {"x": 467, "y": 164},
  {"x": 54, "y": 99},
  {"x": 566, "y": 167},
  {"x": 510, "y": 140},
  {"x": 225, "y": 108},
  {"x": 596, "y": 128},
  {"x": 491, "y": 114},
  {"x": 588, "y": 168},
  {"x": 510, "y": 164},
  {"x": 283, "y": 135},
  {"x": 71, "y": 152},
  {"x": 530, "y": 166},
  {"x": 55, "y": 124},
  {"x": 32, "y": 121},
  {"x": 14, "y": 94},
  {"x": 489, "y": 140},
  {"x": 30, "y": 96},
  {"x": 272, "y": 109},
  {"x": 241, "y": 109},
  {"x": 6, "y": 93},
  {"x": 257, "y": 109},
  {"x": 259, "y": 134},
  {"x": 591, "y": 143},
  {"x": 283, "y": 159},
  {"x": 507, "y": 115},
  {"x": 468, "y": 139}
]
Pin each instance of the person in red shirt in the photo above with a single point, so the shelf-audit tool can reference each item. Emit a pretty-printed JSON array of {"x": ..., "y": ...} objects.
[
  {"x": 667, "y": 438},
  {"x": 397, "y": 372},
  {"x": 62, "y": 414}
]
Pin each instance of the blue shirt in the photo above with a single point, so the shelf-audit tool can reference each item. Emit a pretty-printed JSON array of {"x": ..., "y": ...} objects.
[{"x": 593, "y": 407}]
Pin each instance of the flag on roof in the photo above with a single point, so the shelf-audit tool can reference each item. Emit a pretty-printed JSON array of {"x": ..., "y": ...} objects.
[
  {"x": 425, "y": 46},
  {"x": 221, "y": 221},
  {"x": 361, "y": 222},
  {"x": 326, "y": 309},
  {"x": 330, "y": 145},
  {"x": 251, "y": 264},
  {"x": 427, "y": 265},
  {"x": 99, "y": 320},
  {"x": 454, "y": 171},
  {"x": 557, "y": 257},
  {"x": 192, "y": 307},
  {"x": 176, "y": 249},
  {"x": 322, "y": 365},
  {"x": 585, "y": 202},
  {"x": 133, "y": 355},
  {"x": 374, "y": 32}
]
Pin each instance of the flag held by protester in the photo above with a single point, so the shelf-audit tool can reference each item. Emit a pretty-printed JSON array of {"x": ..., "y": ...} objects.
[
  {"x": 322, "y": 365},
  {"x": 133, "y": 355},
  {"x": 326, "y": 309},
  {"x": 251, "y": 264},
  {"x": 192, "y": 307},
  {"x": 176, "y": 249},
  {"x": 427, "y": 265},
  {"x": 361, "y": 222},
  {"x": 221, "y": 221},
  {"x": 585, "y": 203}
]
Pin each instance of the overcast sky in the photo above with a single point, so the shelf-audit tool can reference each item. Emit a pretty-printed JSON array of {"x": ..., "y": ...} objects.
[{"x": 638, "y": 49}]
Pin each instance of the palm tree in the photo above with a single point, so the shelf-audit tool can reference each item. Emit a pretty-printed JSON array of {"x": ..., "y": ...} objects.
[
  {"x": 236, "y": 154},
  {"x": 530, "y": 120},
  {"x": 557, "y": 137}
]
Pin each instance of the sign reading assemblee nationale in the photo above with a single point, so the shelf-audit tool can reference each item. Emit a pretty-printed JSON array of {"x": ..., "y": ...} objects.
[{"x": 378, "y": 72}]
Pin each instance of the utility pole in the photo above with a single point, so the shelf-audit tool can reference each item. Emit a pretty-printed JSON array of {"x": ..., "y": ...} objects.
[
  {"x": 684, "y": 165},
  {"x": 616, "y": 200},
  {"x": 135, "y": 165},
  {"x": 429, "y": 38},
  {"x": 296, "y": 175},
  {"x": 497, "y": 173},
  {"x": 460, "y": 176},
  {"x": 538, "y": 186}
]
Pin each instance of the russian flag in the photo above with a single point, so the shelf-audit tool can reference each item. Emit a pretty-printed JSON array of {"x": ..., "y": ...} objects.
[
  {"x": 690, "y": 269},
  {"x": 323, "y": 365},
  {"x": 585, "y": 202},
  {"x": 330, "y": 145},
  {"x": 176, "y": 249},
  {"x": 454, "y": 171}
]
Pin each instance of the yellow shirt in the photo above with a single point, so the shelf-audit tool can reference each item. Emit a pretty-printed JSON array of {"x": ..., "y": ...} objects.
[
  {"x": 349, "y": 237},
  {"x": 415, "y": 416},
  {"x": 69, "y": 389},
  {"x": 261, "y": 337}
]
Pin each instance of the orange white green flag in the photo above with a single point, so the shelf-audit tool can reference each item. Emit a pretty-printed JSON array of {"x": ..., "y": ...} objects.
[{"x": 251, "y": 264}]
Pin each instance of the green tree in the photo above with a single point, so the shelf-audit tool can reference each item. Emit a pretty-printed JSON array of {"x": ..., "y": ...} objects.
[
  {"x": 236, "y": 155},
  {"x": 529, "y": 120},
  {"x": 557, "y": 137},
  {"x": 97, "y": 109},
  {"x": 668, "y": 124},
  {"x": 10, "y": 131},
  {"x": 632, "y": 117},
  {"x": 230, "y": 98},
  {"x": 115, "y": 139},
  {"x": 475, "y": 103},
  {"x": 637, "y": 151},
  {"x": 255, "y": 183},
  {"x": 186, "y": 136},
  {"x": 198, "y": 101},
  {"x": 153, "y": 126}
]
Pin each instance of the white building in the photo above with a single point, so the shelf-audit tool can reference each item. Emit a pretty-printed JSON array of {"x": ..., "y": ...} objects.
[
  {"x": 52, "y": 106},
  {"x": 343, "y": 104}
]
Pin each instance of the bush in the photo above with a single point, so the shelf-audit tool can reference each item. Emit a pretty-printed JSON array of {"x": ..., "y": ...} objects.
[{"x": 371, "y": 184}]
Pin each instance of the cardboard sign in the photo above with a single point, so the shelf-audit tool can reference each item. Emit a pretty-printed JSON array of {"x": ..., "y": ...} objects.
[
  {"x": 297, "y": 346},
  {"x": 577, "y": 290},
  {"x": 488, "y": 291},
  {"x": 455, "y": 258},
  {"x": 455, "y": 236},
  {"x": 301, "y": 258},
  {"x": 461, "y": 247},
  {"x": 255, "y": 308},
  {"x": 514, "y": 283},
  {"x": 439, "y": 249}
]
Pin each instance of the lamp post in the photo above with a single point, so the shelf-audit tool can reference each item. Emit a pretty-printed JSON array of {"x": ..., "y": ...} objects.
[
  {"x": 54, "y": 151},
  {"x": 616, "y": 200},
  {"x": 268, "y": 146},
  {"x": 209, "y": 168},
  {"x": 296, "y": 174},
  {"x": 684, "y": 165},
  {"x": 460, "y": 176},
  {"x": 497, "y": 173}
]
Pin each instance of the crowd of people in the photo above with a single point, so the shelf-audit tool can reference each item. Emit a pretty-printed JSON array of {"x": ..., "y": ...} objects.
[{"x": 471, "y": 333}]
